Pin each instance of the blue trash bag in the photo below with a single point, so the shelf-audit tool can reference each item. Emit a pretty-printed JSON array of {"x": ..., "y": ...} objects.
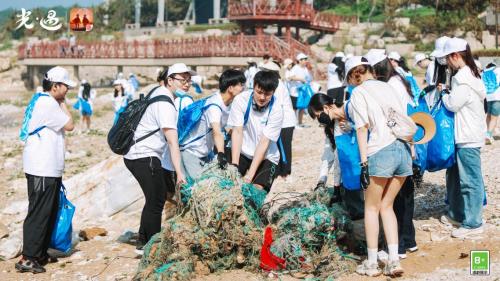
[
  {"x": 415, "y": 89},
  {"x": 441, "y": 149},
  {"x": 305, "y": 94},
  {"x": 85, "y": 107},
  {"x": 349, "y": 159},
  {"x": 420, "y": 149},
  {"x": 189, "y": 118},
  {"x": 63, "y": 228},
  {"x": 490, "y": 80},
  {"x": 77, "y": 104}
]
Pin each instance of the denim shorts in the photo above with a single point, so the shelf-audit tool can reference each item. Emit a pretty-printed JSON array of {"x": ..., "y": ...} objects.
[
  {"x": 494, "y": 107},
  {"x": 392, "y": 160}
]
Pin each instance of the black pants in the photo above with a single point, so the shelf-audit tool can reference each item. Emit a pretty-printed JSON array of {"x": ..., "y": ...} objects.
[
  {"x": 403, "y": 208},
  {"x": 153, "y": 181},
  {"x": 265, "y": 175},
  {"x": 43, "y": 196},
  {"x": 286, "y": 136},
  {"x": 354, "y": 202}
]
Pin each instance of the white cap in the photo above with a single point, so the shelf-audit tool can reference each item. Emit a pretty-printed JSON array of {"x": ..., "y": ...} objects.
[
  {"x": 439, "y": 47},
  {"x": 348, "y": 56},
  {"x": 39, "y": 89},
  {"x": 287, "y": 62},
  {"x": 340, "y": 55},
  {"x": 419, "y": 57},
  {"x": 118, "y": 82},
  {"x": 120, "y": 75},
  {"x": 454, "y": 45},
  {"x": 250, "y": 60},
  {"x": 83, "y": 81},
  {"x": 353, "y": 62},
  {"x": 60, "y": 75},
  {"x": 375, "y": 56},
  {"x": 301, "y": 56},
  {"x": 180, "y": 68},
  {"x": 394, "y": 56},
  {"x": 270, "y": 65}
]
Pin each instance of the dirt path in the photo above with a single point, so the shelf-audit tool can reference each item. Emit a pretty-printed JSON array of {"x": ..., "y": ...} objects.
[{"x": 439, "y": 258}]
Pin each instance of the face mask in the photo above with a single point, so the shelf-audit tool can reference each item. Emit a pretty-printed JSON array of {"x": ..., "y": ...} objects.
[
  {"x": 324, "y": 119},
  {"x": 180, "y": 93},
  {"x": 442, "y": 61}
]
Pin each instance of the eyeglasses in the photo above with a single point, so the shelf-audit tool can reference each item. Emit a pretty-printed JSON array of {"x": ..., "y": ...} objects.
[{"x": 183, "y": 81}]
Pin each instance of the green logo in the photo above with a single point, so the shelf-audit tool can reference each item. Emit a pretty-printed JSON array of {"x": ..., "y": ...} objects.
[{"x": 480, "y": 263}]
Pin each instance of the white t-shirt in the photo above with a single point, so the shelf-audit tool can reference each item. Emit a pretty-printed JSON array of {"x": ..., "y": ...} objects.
[
  {"x": 159, "y": 115},
  {"x": 300, "y": 72},
  {"x": 43, "y": 153},
  {"x": 429, "y": 73},
  {"x": 364, "y": 101},
  {"x": 119, "y": 102},
  {"x": 259, "y": 124},
  {"x": 249, "y": 75},
  {"x": 182, "y": 102},
  {"x": 213, "y": 114},
  {"x": 283, "y": 96},
  {"x": 398, "y": 85},
  {"x": 333, "y": 77}
]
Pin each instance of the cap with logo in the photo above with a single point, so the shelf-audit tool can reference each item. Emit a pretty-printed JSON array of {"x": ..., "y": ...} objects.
[
  {"x": 439, "y": 47},
  {"x": 454, "y": 45},
  {"x": 419, "y": 57},
  {"x": 59, "y": 75},
  {"x": 353, "y": 62},
  {"x": 177, "y": 68},
  {"x": 394, "y": 56},
  {"x": 301, "y": 56},
  {"x": 375, "y": 56}
]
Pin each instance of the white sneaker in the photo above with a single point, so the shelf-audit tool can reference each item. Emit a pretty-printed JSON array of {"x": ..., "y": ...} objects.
[
  {"x": 402, "y": 256},
  {"x": 383, "y": 256},
  {"x": 445, "y": 219},
  {"x": 466, "y": 232},
  {"x": 413, "y": 249},
  {"x": 368, "y": 269},
  {"x": 393, "y": 268}
]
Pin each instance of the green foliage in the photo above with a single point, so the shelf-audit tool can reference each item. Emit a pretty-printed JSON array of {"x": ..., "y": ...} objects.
[{"x": 487, "y": 53}]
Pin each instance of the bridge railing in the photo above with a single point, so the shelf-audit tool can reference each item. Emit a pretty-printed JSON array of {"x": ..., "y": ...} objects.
[
  {"x": 211, "y": 46},
  {"x": 285, "y": 8}
]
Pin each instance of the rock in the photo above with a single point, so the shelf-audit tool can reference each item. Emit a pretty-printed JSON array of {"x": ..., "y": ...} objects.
[
  {"x": 10, "y": 248},
  {"x": 473, "y": 42},
  {"x": 402, "y": 22},
  {"x": 403, "y": 49},
  {"x": 488, "y": 40},
  {"x": 388, "y": 39},
  {"x": 4, "y": 231},
  {"x": 89, "y": 233},
  {"x": 16, "y": 208},
  {"x": 356, "y": 50},
  {"x": 380, "y": 44},
  {"x": 327, "y": 39}
]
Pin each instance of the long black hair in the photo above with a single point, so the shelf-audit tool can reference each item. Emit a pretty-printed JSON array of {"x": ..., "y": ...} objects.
[
  {"x": 384, "y": 71},
  {"x": 469, "y": 61},
  {"x": 403, "y": 64},
  {"x": 340, "y": 67},
  {"x": 116, "y": 91},
  {"x": 317, "y": 103},
  {"x": 86, "y": 91}
]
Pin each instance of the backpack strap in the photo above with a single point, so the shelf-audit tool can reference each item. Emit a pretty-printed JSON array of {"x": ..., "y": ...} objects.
[
  {"x": 37, "y": 130},
  {"x": 249, "y": 106},
  {"x": 151, "y": 101}
]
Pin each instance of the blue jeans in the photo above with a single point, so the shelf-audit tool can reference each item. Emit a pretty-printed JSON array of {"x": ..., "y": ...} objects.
[{"x": 465, "y": 188}]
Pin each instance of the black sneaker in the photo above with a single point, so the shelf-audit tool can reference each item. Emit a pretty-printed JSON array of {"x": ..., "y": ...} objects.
[
  {"x": 43, "y": 261},
  {"x": 29, "y": 265}
]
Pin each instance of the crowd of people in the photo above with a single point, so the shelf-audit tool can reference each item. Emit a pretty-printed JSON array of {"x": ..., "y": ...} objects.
[{"x": 249, "y": 123}]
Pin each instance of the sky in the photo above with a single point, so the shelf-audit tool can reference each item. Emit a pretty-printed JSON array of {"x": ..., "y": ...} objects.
[{"x": 30, "y": 4}]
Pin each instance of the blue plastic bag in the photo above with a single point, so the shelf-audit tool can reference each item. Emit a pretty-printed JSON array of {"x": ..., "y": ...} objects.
[
  {"x": 349, "y": 159},
  {"x": 441, "y": 149},
  {"x": 490, "y": 80},
  {"x": 420, "y": 149},
  {"x": 305, "y": 94},
  {"x": 23, "y": 133},
  {"x": 189, "y": 118},
  {"x": 415, "y": 89},
  {"x": 85, "y": 107},
  {"x": 63, "y": 228}
]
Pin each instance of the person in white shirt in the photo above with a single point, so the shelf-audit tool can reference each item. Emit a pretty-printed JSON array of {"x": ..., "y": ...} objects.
[
  {"x": 147, "y": 159},
  {"x": 250, "y": 73},
  {"x": 389, "y": 159},
  {"x": 85, "y": 96},
  {"x": 298, "y": 76},
  {"x": 385, "y": 70},
  {"x": 464, "y": 180},
  {"x": 440, "y": 73},
  {"x": 289, "y": 121},
  {"x": 424, "y": 62},
  {"x": 120, "y": 100},
  {"x": 335, "y": 85},
  {"x": 43, "y": 165},
  {"x": 183, "y": 82},
  {"x": 256, "y": 118},
  {"x": 198, "y": 148},
  {"x": 493, "y": 104}
]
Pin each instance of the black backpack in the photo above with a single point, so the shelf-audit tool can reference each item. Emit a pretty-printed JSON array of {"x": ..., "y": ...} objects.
[{"x": 121, "y": 135}]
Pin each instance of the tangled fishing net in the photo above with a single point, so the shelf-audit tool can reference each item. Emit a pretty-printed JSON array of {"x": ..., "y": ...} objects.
[{"x": 223, "y": 224}]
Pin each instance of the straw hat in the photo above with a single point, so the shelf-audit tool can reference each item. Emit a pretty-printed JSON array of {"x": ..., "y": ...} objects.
[{"x": 424, "y": 122}]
